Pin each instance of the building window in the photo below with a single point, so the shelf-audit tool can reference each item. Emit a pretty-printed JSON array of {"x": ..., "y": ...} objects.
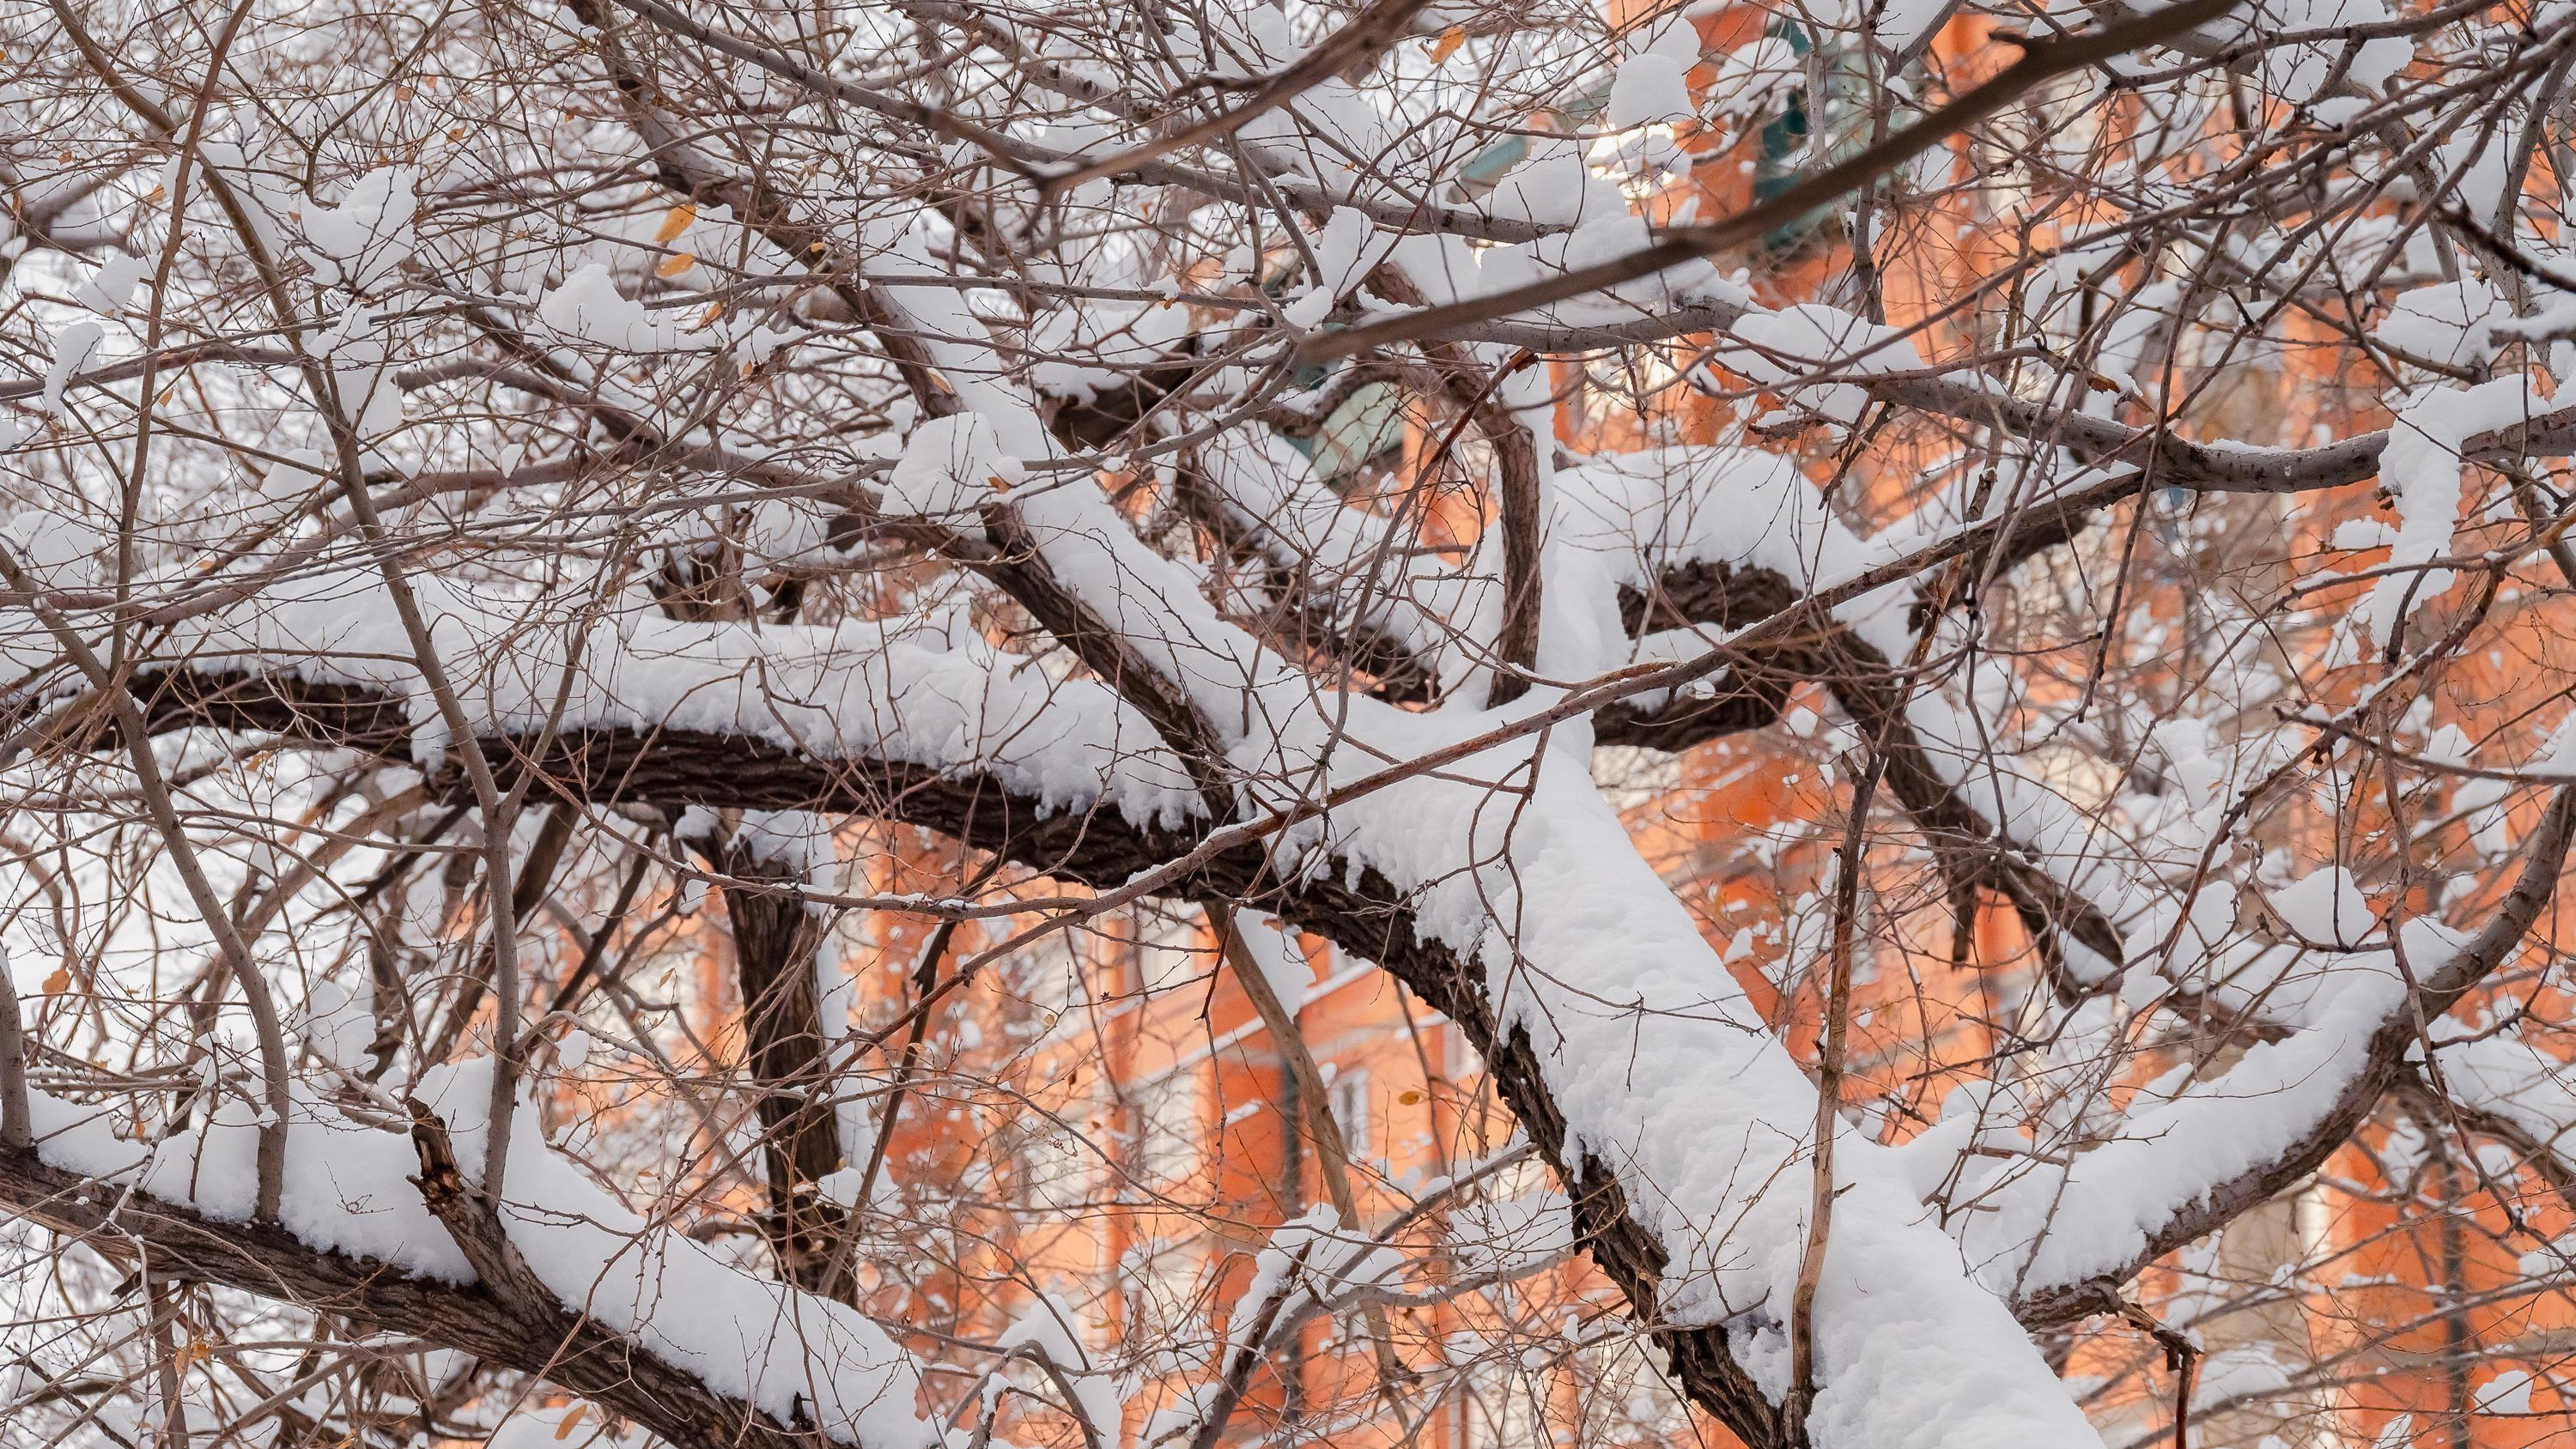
[
  {"x": 1350, "y": 1101},
  {"x": 1368, "y": 427},
  {"x": 1058, "y": 1168},
  {"x": 1171, "y": 947},
  {"x": 1159, "y": 1278},
  {"x": 1810, "y": 132},
  {"x": 1172, "y": 1109},
  {"x": 1624, "y": 1395},
  {"x": 1501, "y": 1407},
  {"x": 1046, "y": 973}
]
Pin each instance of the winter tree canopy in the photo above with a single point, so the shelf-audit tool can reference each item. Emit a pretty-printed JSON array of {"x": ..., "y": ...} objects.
[{"x": 610, "y": 607}]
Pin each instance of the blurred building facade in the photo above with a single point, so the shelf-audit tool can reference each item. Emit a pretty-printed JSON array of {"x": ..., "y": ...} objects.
[{"x": 1119, "y": 1143}]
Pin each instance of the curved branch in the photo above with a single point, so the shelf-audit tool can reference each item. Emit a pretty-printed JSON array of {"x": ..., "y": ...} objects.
[
  {"x": 2063, "y": 1296},
  {"x": 552, "y": 1342},
  {"x": 1358, "y": 910}
]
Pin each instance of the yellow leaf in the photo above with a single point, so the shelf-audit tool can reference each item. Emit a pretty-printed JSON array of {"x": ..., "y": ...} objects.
[
  {"x": 1409, "y": 1097},
  {"x": 714, "y": 310},
  {"x": 674, "y": 222},
  {"x": 676, "y": 265},
  {"x": 571, "y": 1421},
  {"x": 56, "y": 983},
  {"x": 1448, "y": 43},
  {"x": 1000, "y": 483}
]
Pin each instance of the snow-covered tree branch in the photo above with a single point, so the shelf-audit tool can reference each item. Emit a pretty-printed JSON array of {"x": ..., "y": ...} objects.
[{"x": 909, "y": 723}]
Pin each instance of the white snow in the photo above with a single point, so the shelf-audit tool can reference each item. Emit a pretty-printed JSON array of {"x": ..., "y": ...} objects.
[
  {"x": 1556, "y": 187},
  {"x": 1050, "y": 1326},
  {"x": 2052, "y": 1225},
  {"x": 1282, "y": 964},
  {"x": 339, "y": 1020},
  {"x": 589, "y": 308},
  {"x": 348, "y": 1191},
  {"x": 73, "y": 349},
  {"x": 2422, "y": 467},
  {"x": 115, "y": 280},
  {"x": 1810, "y": 340},
  {"x": 898, "y": 690},
  {"x": 369, "y": 233},
  {"x": 1649, "y": 88},
  {"x": 2448, "y": 322}
]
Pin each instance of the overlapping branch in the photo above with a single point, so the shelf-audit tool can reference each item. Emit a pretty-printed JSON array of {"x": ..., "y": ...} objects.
[{"x": 539, "y": 1337}]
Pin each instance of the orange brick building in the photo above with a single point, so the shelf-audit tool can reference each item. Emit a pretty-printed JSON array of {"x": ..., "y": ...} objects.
[{"x": 1135, "y": 1138}]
